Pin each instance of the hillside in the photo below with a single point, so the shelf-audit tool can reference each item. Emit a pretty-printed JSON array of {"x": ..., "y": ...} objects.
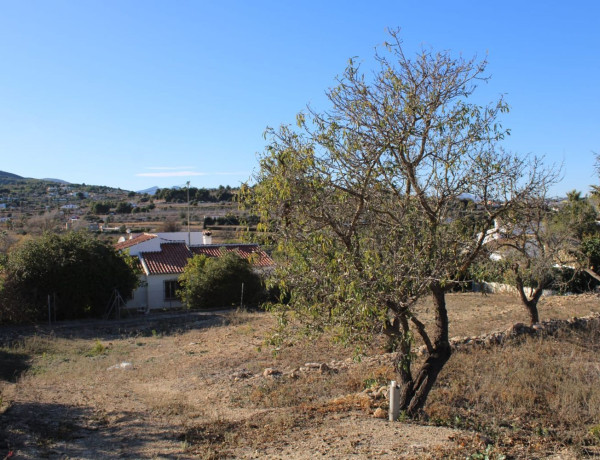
[{"x": 9, "y": 178}]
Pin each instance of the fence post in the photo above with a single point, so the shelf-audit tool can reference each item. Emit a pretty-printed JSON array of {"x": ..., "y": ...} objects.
[{"x": 394, "y": 401}]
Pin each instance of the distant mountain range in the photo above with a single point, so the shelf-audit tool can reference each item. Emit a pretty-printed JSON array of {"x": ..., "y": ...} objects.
[
  {"x": 9, "y": 178},
  {"x": 149, "y": 191},
  {"x": 58, "y": 181}
]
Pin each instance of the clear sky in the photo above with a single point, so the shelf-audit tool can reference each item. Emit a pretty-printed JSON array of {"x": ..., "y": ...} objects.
[{"x": 137, "y": 93}]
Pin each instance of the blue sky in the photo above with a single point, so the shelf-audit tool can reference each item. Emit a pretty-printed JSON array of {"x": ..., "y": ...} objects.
[{"x": 134, "y": 93}]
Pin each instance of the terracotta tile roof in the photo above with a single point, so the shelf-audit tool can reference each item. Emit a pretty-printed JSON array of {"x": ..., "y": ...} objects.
[
  {"x": 138, "y": 265},
  {"x": 133, "y": 241},
  {"x": 172, "y": 258},
  {"x": 207, "y": 250},
  {"x": 259, "y": 258}
]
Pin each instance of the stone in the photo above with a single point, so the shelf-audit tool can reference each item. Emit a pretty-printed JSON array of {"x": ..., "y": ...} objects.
[
  {"x": 270, "y": 372},
  {"x": 242, "y": 374},
  {"x": 123, "y": 365},
  {"x": 380, "y": 413}
]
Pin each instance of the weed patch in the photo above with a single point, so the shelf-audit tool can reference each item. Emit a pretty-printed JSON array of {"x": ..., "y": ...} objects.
[{"x": 97, "y": 350}]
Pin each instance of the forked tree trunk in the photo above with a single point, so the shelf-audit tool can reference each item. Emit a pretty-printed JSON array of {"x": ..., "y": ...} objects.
[
  {"x": 415, "y": 391},
  {"x": 531, "y": 303},
  {"x": 532, "y": 310}
]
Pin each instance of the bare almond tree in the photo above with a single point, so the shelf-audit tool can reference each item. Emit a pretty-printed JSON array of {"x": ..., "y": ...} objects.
[{"x": 362, "y": 203}]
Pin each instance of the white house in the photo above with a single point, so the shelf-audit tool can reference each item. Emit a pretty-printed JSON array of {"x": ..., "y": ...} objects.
[{"x": 163, "y": 256}]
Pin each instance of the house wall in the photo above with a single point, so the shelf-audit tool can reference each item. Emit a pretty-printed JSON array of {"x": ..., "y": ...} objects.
[
  {"x": 152, "y": 245},
  {"x": 140, "y": 295},
  {"x": 196, "y": 237},
  {"x": 156, "y": 294}
]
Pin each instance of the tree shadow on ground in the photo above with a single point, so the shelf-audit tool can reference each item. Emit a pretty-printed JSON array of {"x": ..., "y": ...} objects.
[
  {"x": 38, "y": 430},
  {"x": 12, "y": 365},
  {"x": 137, "y": 326}
]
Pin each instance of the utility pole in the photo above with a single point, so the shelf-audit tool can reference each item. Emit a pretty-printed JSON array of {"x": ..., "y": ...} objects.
[{"x": 188, "y": 212}]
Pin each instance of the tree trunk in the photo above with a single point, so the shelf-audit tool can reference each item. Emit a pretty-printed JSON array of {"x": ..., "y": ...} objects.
[
  {"x": 530, "y": 303},
  {"x": 417, "y": 390},
  {"x": 400, "y": 342},
  {"x": 403, "y": 364},
  {"x": 534, "y": 316}
]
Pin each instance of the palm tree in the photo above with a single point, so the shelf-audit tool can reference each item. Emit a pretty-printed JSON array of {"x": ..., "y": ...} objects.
[
  {"x": 595, "y": 190},
  {"x": 574, "y": 196}
]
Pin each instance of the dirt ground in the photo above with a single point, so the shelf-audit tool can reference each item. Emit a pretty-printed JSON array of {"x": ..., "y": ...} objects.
[{"x": 194, "y": 387}]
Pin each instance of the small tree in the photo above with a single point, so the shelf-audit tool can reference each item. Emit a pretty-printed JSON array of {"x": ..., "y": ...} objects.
[
  {"x": 577, "y": 215},
  {"x": 217, "y": 282},
  {"x": 101, "y": 208},
  {"x": 532, "y": 246},
  {"x": 124, "y": 208},
  {"x": 170, "y": 224},
  {"x": 363, "y": 203}
]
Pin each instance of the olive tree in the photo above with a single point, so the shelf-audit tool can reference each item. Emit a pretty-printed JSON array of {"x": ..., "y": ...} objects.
[{"x": 361, "y": 203}]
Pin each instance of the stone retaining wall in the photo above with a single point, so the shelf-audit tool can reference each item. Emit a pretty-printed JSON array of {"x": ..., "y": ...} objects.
[{"x": 494, "y": 288}]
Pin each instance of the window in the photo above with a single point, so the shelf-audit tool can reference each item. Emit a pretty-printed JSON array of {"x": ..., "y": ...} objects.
[{"x": 171, "y": 287}]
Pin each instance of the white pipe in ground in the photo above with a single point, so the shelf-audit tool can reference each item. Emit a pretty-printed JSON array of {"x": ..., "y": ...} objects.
[{"x": 394, "y": 411}]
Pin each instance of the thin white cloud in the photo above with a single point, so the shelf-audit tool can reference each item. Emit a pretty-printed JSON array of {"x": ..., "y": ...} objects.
[
  {"x": 171, "y": 174},
  {"x": 169, "y": 168},
  {"x": 189, "y": 173}
]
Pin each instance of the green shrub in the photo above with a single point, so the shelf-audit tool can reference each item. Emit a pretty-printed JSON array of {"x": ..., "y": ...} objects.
[
  {"x": 217, "y": 282},
  {"x": 78, "y": 272}
]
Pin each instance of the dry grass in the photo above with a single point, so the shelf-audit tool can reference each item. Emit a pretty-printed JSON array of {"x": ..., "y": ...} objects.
[
  {"x": 178, "y": 399},
  {"x": 543, "y": 391},
  {"x": 475, "y": 314}
]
